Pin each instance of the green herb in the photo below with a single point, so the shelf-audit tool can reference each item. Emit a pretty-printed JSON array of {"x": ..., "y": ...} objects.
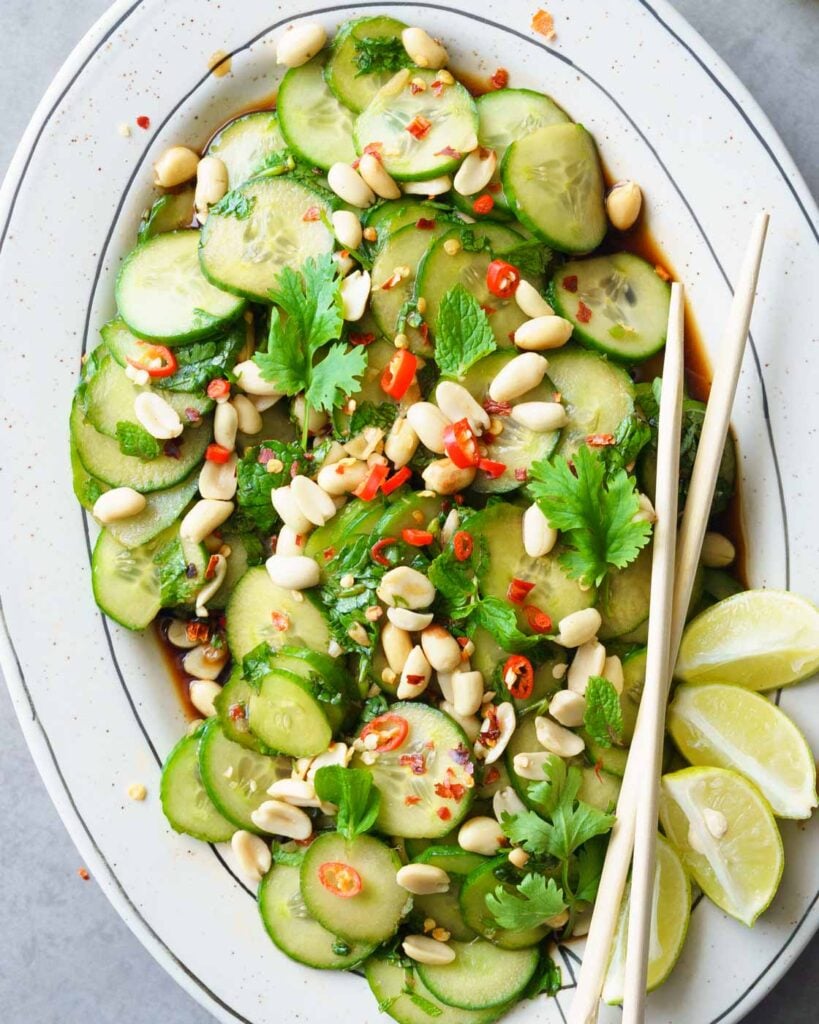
[
  {"x": 590, "y": 860},
  {"x": 276, "y": 163},
  {"x": 594, "y": 514},
  {"x": 547, "y": 980},
  {"x": 500, "y": 619},
  {"x": 630, "y": 438},
  {"x": 373, "y": 707},
  {"x": 255, "y": 484},
  {"x": 352, "y": 790},
  {"x": 200, "y": 362},
  {"x": 336, "y": 376},
  {"x": 463, "y": 334},
  {"x": 135, "y": 440},
  {"x": 408, "y": 315},
  {"x": 341, "y": 948},
  {"x": 257, "y": 664},
  {"x": 423, "y": 1004},
  {"x": 536, "y": 902},
  {"x": 178, "y": 579},
  {"x": 472, "y": 241},
  {"x": 380, "y": 53},
  {"x": 292, "y": 858},
  {"x": 368, "y": 414},
  {"x": 603, "y": 717},
  {"x": 531, "y": 258},
  {"x": 234, "y": 204},
  {"x": 92, "y": 489},
  {"x": 346, "y": 606}
]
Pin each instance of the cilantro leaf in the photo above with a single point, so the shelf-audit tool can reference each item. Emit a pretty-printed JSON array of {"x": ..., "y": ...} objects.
[
  {"x": 589, "y": 869},
  {"x": 538, "y": 900},
  {"x": 352, "y": 790},
  {"x": 234, "y": 204},
  {"x": 285, "y": 362},
  {"x": 463, "y": 333},
  {"x": 368, "y": 414},
  {"x": 336, "y": 376},
  {"x": 546, "y": 794},
  {"x": 594, "y": 514},
  {"x": 380, "y": 53},
  {"x": 347, "y": 605},
  {"x": 255, "y": 483},
  {"x": 547, "y": 980},
  {"x": 311, "y": 298},
  {"x": 603, "y": 717},
  {"x": 135, "y": 440}
]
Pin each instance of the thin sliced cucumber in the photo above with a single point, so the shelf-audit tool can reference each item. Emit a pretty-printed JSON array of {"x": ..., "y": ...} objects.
[
  {"x": 394, "y": 214},
  {"x": 599, "y": 789},
  {"x": 232, "y": 707},
  {"x": 597, "y": 394},
  {"x": 449, "y": 113},
  {"x": 352, "y": 86},
  {"x": 161, "y": 291},
  {"x": 481, "y": 975},
  {"x": 440, "y": 271},
  {"x": 250, "y": 617},
  {"x": 452, "y": 859},
  {"x": 315, "y": 125},
  {"x": 524, "y": 740},
  {"x": 170, "y": 212},
  {"x": 506, "y": 115},
  {"x": 87, "y": 488},
  {"x": 434, "y": 753},
  {"x": 125, "y": 580},
  {"x": 235, "y": 778},
  {"x": 251, "y": 145},
  {"x": 407, "y": 1000},
  {"x": 259, "y": 229},
  {"x": 103, "y": 459},
  {"x": 371, "y": 916},
  {"x": 237, "y": 566},
  {"x": 634, "y": 677},
  {"x": 489, "y": 658},
  {"x": 411, "y": 511},
  {"x": 162, "y": 509},
  {"x": 356, "y": 518},
  {"x": 517, "y": 447},
  {"x": 185, "y": 801},
  {"x": 289, "y": 715},
  {"x": 719, "y": 584},
  {"x": 478, "y": 885},
  {"x": 554, "y": 593},
  {"x": 444, "y": 908},
  {"x": 624, "y": 597},
  {"x": 616, "y": 303},
  {"x": 298, "y": 935},
  {"x": 554, "y": 183}
]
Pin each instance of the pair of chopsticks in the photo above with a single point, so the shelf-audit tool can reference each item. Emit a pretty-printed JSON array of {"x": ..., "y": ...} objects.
[{"x": 674, "y": 565}]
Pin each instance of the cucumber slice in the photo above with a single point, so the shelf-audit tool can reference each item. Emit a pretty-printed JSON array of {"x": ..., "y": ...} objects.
[
  {"x": 516, "y": 446},
  {"x": 296, "y": 934},
  {"x": 185, "y": 801},
  {"x": 439, "y": 272},
  {"x": 392, "y": 215},
  {"x": 170, "y": 212},
  {"x": 87, "y": 488},
  {"x": 452, "y": 859},
  {"x": 501, "y": 526},
  {"x": 237, "y": 566},
  {"x": 453, "y": 125},
  {"x": 232, "y": 708},
  {"x": 246, "y": 254},
  {"x": 634, "y": 677},
  {"x": 554, "y": 183},
  {"x": 489, "y": 658},
  {"x": 481, "y": 975},
  {"x": 236, "y": 779},
  {"x": 356, "y": 518},
  {"x": 162, "y": 509},
  {"x": 445, "y": 910},
  {"x": 624, "y": 597},
  {"x": 719, "y": 584},
  {"x": 431, "y": 744},
  {"x": 476, "y": 888},
  {"x": 314, "y": 124},
  {"x": 125, "y": 580},
  {"x": 373, "y": 915},
  {"x": 597, "y": 394},
  {"x": 406, "y": 999},
  {"x": 352, "y": 86},
  {"x": 405, "y": 248},
  {"x": 249, "y": 617},
  {"x": 524, "y": 740},
  {"x": 506, "y": 115},
  {"x": 251, "y": 145},
  {"x": 102, "y": 458},
  {"x": 410, "y": 511},
  {"x": 616, "y": 303},
  {"x": 599, "y": 789},
  {"x": 498, "y": 213},
  {"x": 161, "y": 292}
]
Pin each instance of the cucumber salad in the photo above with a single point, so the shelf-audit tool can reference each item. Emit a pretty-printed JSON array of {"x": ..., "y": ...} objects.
[{"x": 372, "y": 438}]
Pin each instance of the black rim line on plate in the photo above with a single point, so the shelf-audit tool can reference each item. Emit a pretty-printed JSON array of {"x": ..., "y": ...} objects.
[{"x": 564, "y": 59}]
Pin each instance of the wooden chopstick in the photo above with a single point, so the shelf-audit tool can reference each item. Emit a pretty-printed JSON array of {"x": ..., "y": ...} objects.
[
  {"x": 585, "y": 1004},
  {"x": 655, "y": 689}
]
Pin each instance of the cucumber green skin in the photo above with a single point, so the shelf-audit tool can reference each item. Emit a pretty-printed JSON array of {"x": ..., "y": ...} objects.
[
  {"x": 292, "y": 933},
  {"x": 388, "y": 983},
  {"x": 263, "y": 710},
  {"x": 128, "y": 613},
  {"x": 356, "y": 518},
  {"x": 498, "y": 212},
  {"x": 340, "y": 72},
  {"x": 477, "y": 886},
  {"x": 719, "y": 584},
  {"x": 393, "y": 214},
  {"x": 408, "y": 512},
  {"x": 624, "y": 597},
  {"x": 170, "y": 212},
  {"x": 445, "y": 910},
  {"x": 237, "y": 691},
  {"x": 319, "y": 156},
  {"x": 634, "y": 674},
  {"x": 484, "y": 985},
  {"x": 270, "y": 141},
  {"x": 162, "y": 510},
  {"x": 451, "y": 859},
  {"x": 185, "y": 801}
]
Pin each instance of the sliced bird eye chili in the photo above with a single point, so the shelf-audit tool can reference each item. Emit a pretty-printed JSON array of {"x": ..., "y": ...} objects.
[
  {"x": 492, "y": 469},
  {"x": 340, "y": 879},
  {"x": 502, "y": 279},
  {"x": 391, "y": 731},
  {"x": 399, "y": 374},
  {"x": 460, "y": 444},
  {"x": 378, "y": 547},
  {"x": 417, "y": 538},
  {"x": 396, "y": 480},
  {"x": 149, "y": 355},
  {"x": 368, "y": 490},
  {"x": 519, "y": 677},
  {"x": 518, "y": 590},
  {"x": 218, "y": 388},
  {"x": 539, "y": 622},
  {"x": 463, "y": 545}
]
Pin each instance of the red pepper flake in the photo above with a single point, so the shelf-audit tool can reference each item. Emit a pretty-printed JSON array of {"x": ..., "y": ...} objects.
[
  {"x": 415, "y": 88},
  {"x": 544, "y": 24},
  {"x": 311, "y": 213},
  {"x": 394, "y": 279},
  {"x": 598, "y": 767},
  {"x": 143, "y": 122},
  {"x": 210, "y": 571},
  {"x": 522, "y": 474},
  {"x": 280, "y": 620},
  {"x": 450, "y": 791},
  {"x": 237, "y": 712},
  {"x": 490, "y": 734},
  {"x": 374, "y": 149},
  {"x": 218, "y": 388},
  {"x": 83, "y": 873},
  {"x": 329, "y": 553},
  {"x": 305, "y": 842},
  {"x": 425, "y": 224},
  {"x": 361, "y": 338},
  {"x": 415, "y": 680},
  {"x": 437, "y": 87},
  {"x": 444, "y": 813},
  {"x": 419, "y": 127},
  {"x": 355, "y": 164},
  {"x": 217, "y": 453},
  {"x": 378, "y": 547},
  {"x": 416, "y": 762},
  {"x": 492, "y": 468},
  {"x": 489, "y": 310},
  {"x": 496, "y": 408},
  {"x": 491, "y": 775},
  {"x": 423, "y": 330},
  {"x": 449, "y": 151},
  {"x": 198, "y": 632},
  {"x": 411, "y": 800},
  {"x": 500, "y": 79},
  {"x": 539, "y": 622},
  {"x": 483, "y": 204},
  {"x": 570, "y": 283},
  {"x": 519, "y": 590},
  {"x": 417, "y": 538},
  {"x": 192, "y": 415},
  {"x": 584, "y": 314},
  {"x": 460, "y": 754},
  {"x": 600, "y": 440},
  {"x": 264, "y": 456}
]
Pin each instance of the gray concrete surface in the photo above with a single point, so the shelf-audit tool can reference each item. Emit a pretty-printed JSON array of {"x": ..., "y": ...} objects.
[{"x": 67, "y": 958}]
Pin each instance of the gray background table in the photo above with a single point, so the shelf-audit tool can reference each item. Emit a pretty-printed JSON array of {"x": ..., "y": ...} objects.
[{"x": 67, "y": 957}]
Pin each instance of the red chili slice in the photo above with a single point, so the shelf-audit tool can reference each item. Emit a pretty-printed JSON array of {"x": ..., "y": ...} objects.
[
  {"x": 492, "y": 469},
  {"x": 539, "y": 622},
  {"x": 218, "y": 388},
  {"x": 518, "y": 590},
  {"x": 390, "y": 729},
  {"x": 396, "y": 480},
  {"x": 340, "y": 879},
  {"x": 399, "y": 374},
  {"x": 425, "y": 224},
  {"x": 216, "y": 453},
  {"x": 368, "y": 490},
  {"x": 463, "y": 545},
  {"x": 149, "y": 354},
  {"x": 519, "y": 677},
  {"x": 378, "y": 547},
  {"x": 483, "y": 204},
  {"x": 417, "y": 538},
  {"x": 502, "y": 279},
  {"x": 460, "y": 444},
  {"x": 500, "y": 79},
  {"x": 361, "y": 338},
  {"x": 419, "y": 127}
]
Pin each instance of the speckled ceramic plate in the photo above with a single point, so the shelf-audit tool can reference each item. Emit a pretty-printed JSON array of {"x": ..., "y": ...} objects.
[{"x": 94, "y": 701}]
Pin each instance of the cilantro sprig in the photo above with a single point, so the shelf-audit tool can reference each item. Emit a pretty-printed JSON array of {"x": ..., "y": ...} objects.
[{"x": 535, "y": 901}]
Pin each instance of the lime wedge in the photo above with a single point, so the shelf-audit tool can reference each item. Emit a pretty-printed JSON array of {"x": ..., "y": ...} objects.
[
  {"x": 728, "y": 727},
  {"x": 759, "y": 639},
  {"x": 726, "y": 835},
  {"x": 670, "y": 911}
]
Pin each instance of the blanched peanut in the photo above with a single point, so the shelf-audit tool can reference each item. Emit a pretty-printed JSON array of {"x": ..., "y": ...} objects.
[
  {"x": 300, "y": 43},
  {"x": 506, "y": 723},
  {"x": 343, "y": 476},
  {"x": 262, "y": 403},
  {"x": 538, "y": 537},
  {"x": 543, "y": 332},
  {"x": 336, "y": 753},
  {"x": 429, "y": 423},
  {"x": 540, "y": 417},
  {"x": 411, "y": 621},
  {"x": 423, "y": 50},
  {"x": 444, "y": 477},
  {"x": 431, "y": 187},
  {"x": 422, "y": 879},
  {"x": 589, "y": 660},
  {"x": 248, "y": 416},
  {"x": 441, "y": 649},
  {"x": 206, "y": 516},
  {"x": 456, "y": 403},
  {"x": 211, "y": 185},
  {"x": 425, "y": 950},
  {"x": 450, "y": 527},
  {"x": 348, "y": 185},
  {"x": 218, "y": 566},
  {"x": 317, "y": 420},
  {"x": 293, "y": 572},
  {"x": 717, "y": 551},
  {"x": 119, "y": 503},
  {"x": 506, "y": 801},
  {"x": 159, "y": 418},
  {"x": 469, "y": 723},
  {"x": 613, "y": 671},
  {"x": 530, "y": 301},
  {"x": 568, "y": 708},
  {"x": 372, "y": 171},
  {"x": 252, "y": 855},
  {"x": 284, "y": 502},
  {"x": 518, "y": 857},
  {"x": 345, "y": 262},
  {"x": 475, "y": 171},
  {"x": 556, "y": 739},
  {"x": 289, "y": 542},
  {"x": 579, "y": 627},
  {"x": 178, "y": 635},
  {"x": 249, "y": 379},
  {"x": 298, "y": 792},
  {"x": 202, "y": 693},
  {"x": 281, "y": 819},
  {"x": 531, "y": 765},
  {"x": 347, "y": 228},
  {"x": 204, "y": 661},
  {"x": 415, "y": 675},
  {"x": 314, "y": 503},
  {"x": 225, "y": 425},
  {"x": 407, "y": 587},
  {"x": 397, "y": 646},
  {"x": 623, "y": 204},
  {"x": 481, "y": 835},
  {"x": 518, "y": 376},
  {"x": 355, "y": 291},
  {"x": 401, "y": 443},
  {"x": 467, "y": 692},
  {"x": 176, "y": 166},
  {"x": 645, "y": 513}
]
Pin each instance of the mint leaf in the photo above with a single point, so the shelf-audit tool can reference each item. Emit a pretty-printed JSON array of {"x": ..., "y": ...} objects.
[
  {"x": 179, "y": 579},
  {"x": 463, "y": 334},
  {"x": 336, "y": 376},
  {"x": 347, "y": 605},
  {"x": 352, "y": 790},
  {"x": 603, "y": 717},
  {"x": 199, "y": 363},
  {"x": 547, "y": 980},
  {"x": 532, "y": 259},
  {"x": 136, "y": 441},
  {"x": 257, "y": 664},
  {"x": 500, "y": 619},
  {"x": 255, "y": 483},
  {"x": 631, "y": 436},
  {"x": 368, "y": 414},
  {"x": 538, "y": 900}
]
